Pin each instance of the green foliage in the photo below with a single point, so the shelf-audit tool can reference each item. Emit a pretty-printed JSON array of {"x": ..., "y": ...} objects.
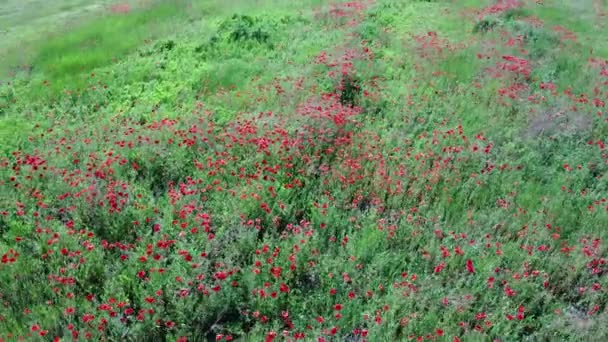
[
  {"x": 242, "y": 28},
  {"x": 485, "y": 25}
]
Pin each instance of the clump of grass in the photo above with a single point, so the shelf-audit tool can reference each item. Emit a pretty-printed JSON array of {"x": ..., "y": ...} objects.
[{"x": 485, "y": 25}]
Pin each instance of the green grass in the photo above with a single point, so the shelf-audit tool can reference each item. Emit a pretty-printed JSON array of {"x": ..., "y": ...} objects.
[
  {"x": 64, "y": 57},
  {"x": 25, "y": 24},
  {"x": 98, "y": 42}
]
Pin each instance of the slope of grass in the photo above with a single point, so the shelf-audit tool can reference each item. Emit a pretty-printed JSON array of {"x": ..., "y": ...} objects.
[{"x": 26, "y": 24}]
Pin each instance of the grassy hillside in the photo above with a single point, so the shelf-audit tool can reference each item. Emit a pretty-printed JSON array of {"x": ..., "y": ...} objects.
[{"x": 273, "y": 170}]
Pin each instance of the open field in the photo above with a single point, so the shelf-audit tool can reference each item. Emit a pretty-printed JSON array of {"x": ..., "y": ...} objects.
[
  {"x": 25, "y": 24},
  {"x": 374, "y": 170}
]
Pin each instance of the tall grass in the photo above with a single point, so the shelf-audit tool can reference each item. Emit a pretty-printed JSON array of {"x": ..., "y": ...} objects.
[{"x": 99, "y": 42}]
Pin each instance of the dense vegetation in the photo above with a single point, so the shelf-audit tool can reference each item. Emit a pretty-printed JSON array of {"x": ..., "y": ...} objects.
[{"x": 330, "y": 171}]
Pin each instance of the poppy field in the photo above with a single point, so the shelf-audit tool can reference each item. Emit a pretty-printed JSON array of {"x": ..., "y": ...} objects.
[{"x": 370, "y": 170}]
